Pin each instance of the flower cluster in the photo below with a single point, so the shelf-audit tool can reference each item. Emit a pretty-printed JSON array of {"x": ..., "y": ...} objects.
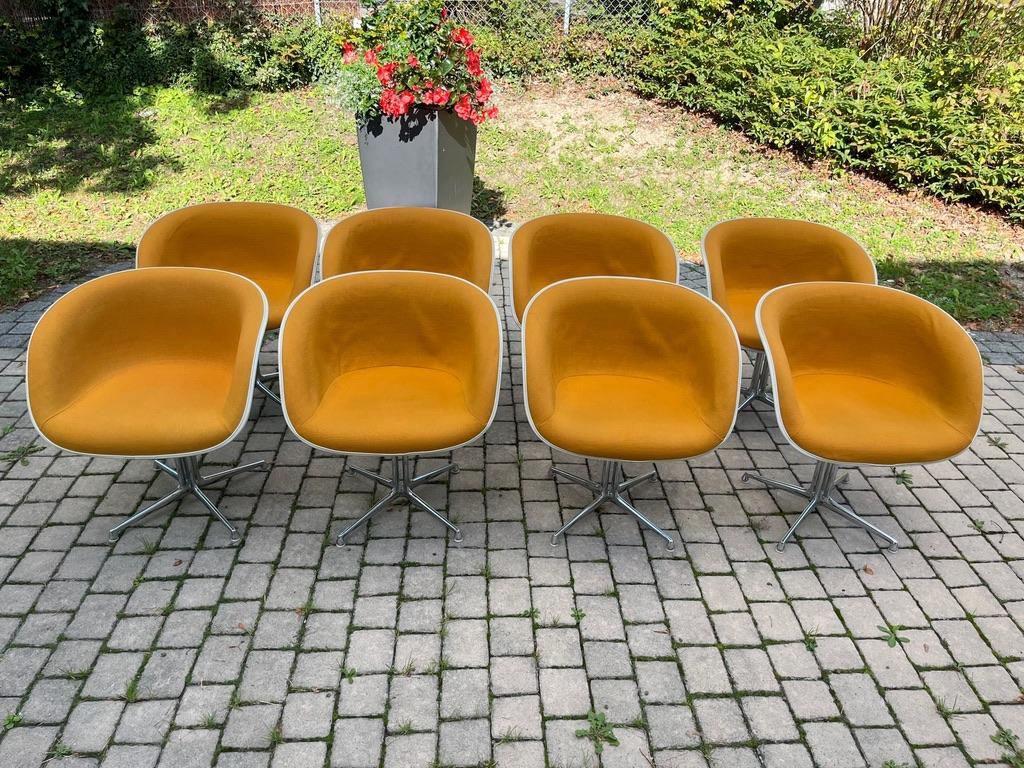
[{"x": 416, "y": 55}]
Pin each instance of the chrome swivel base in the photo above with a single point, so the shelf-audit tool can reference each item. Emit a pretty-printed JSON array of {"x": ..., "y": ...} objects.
[
  {"x": 186, "y": 472},
  {"x": 264, "y": 382},
  {"x": 821, "y": 494},
  {"x": 760, "y": 383},
  {"x": 609, "y": 489},
  {"x": 401, "y": 486}
]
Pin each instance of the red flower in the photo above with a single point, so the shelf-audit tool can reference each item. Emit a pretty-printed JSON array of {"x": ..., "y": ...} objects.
[
  {"x": 438, "y": 96},
  {"x": 462, "y": 37},
  {"x": 473, "y": 62},
  {"x": 464, "y": 108},
  {"x": 370, "y": 56},
  {"x": 413, "y": 61},
  {"x": 444, "y": 13},
  {"x": 396, "y": 104},
  {"x": 386, "y": 74},
  {"x": 484, "y": 90},
  {"x": 348, "y": 54}
]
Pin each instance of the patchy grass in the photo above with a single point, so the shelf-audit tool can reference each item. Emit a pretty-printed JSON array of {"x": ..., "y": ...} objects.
[{"x": 80, "y": 181}]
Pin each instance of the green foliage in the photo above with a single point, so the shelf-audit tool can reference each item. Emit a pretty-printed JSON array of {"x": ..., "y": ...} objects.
[
  {"x": 520, "y": 38},
  {"x": 909, "y": 122},
  {"x": 1009, "y": 741}
]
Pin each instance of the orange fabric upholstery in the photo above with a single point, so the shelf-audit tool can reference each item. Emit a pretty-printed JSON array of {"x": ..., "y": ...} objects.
[
  {"x": 566, "y": 245},
  {"x": 390, "y": 363},
  {"x": 746, "y": 258},
  {"x": 146, "y": 363},
  {"x": 629, "y": 370},
  {"x": 273, "y": 245},
  {"x": 870, "y": 375},
  {"x": 421, "y": 239}
]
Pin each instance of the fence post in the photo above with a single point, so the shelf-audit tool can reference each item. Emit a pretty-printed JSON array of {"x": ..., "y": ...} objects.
[
  {"x": 566, "y": 16},
  {"x": 316, "y": 13}
]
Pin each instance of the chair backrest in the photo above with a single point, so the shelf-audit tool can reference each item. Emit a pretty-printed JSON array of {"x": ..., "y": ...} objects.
[
  {"x": 764, "y": 253},
  {"x": 389, "y": 318},
  {"x": 273, "y": 245},
  {"x": 566, "y": 245},
  {"x": 418, "y": 239},
  {"x": 877, "y": 334},
  {"x": 146, "y": 316}
]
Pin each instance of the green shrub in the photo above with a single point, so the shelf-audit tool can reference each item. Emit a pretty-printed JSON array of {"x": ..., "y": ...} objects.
[
  {"x": 909, "y": 122},
  {"x": 520, "y": 38}
]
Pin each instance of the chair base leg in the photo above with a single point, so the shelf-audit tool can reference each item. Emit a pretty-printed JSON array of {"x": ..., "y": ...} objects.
[
  {"x": 609, "y": 489},
  {"x": 186, "y": 471},
  {"x": 760, "y": 384},
  {"x": 264, "y": 382},
  {"x": 821, "y": 493},
  {"x": 401, "y": 487}
]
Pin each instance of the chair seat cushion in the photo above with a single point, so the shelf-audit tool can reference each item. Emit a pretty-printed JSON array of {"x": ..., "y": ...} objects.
[
  {"x": 627, "y": 419},
  {"x": 158, "y": 408},
  {"x": 858, "y": 420},
  {"x": 392, "y": 410}
]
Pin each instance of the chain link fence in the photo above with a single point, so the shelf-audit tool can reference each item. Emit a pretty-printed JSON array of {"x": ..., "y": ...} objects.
[{"x": 616, "y": 14}]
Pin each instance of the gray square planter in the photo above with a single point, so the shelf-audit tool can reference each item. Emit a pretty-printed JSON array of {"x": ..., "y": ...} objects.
[{"x": 424, "y": 158}]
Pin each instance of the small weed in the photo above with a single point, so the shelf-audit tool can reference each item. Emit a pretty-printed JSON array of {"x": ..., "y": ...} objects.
[
  {"x": 131, "y": 693},
  {"x": 997, "y": 442},
  {"x": 405, "y": 671},
  {"x": 149, "y": 546},
  {"x": 811, "y": 642},
  {"x": 74, "y": 674},
  {"x": 209, "y": 720},
  {"x": 486, "y": 572},
  {"x": 978, "y": 525},
  {"x": 894, "y": 764},
  {"x": 167, "y": 609},
  {"x": 404, "y": 728},
  {"x": 533, "y": 613},
  {"x": 12, "y": 720},
  {"x": 577, "y": 615},
  {"x": 349, "y": 674},
  {"x": 903, "y": 477},
  {"x": 890, "y": 633},
  {"x": 599, "y": 731},
  {"x": 1008, "y": 740},
  {"x": 21, "y": 453},
  {"x": 275, "y": 736},
  {"x": 512, "y": 734},
  {"x": 59, "y": 751}
]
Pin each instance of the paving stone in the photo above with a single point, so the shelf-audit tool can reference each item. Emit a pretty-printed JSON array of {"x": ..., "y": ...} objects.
[
  {"x": 91, "y": 725},
  {"x": 357, "y": 743},
  {"x": 564, "y": 692},
  {"x": 189, "y": 747},
  {"x": 145, "y": 722},
  {"x": 413, "y": 751}
]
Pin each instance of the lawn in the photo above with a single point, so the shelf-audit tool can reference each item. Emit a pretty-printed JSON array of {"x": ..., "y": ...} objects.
[{"x": 80, "y": 181}]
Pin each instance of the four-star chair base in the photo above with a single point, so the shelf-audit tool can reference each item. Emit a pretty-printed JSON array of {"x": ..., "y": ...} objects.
[
  {"x": 760, "y": 383},
  {"x": 821, "y": 493},
  {"x": 609, "y": 489},
  {"x": 263, "y": 383},
  {"x": 186, "y": 472},
  {"x": 401, "y": 486}
]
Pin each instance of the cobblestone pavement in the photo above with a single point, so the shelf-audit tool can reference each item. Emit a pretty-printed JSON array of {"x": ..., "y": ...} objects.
[{"x": 173, "y": 649}]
